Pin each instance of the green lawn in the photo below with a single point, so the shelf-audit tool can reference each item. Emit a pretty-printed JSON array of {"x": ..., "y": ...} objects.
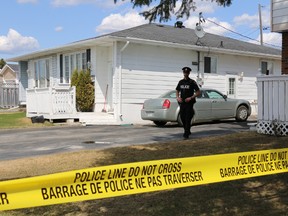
[{"x": 17, "y": 120}]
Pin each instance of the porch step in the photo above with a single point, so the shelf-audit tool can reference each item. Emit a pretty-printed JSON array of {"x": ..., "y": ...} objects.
[{"x": 97, "y": 118}]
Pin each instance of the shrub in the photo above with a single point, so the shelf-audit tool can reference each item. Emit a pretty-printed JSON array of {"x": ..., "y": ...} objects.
[{"x": 84, "y": 90}]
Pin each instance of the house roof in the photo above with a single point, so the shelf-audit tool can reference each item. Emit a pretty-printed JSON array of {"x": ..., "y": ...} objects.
[
  {"x": 186, "y": 36},
  {"x": 167, "y": 36},
  {"x": 13, "y": 67}
]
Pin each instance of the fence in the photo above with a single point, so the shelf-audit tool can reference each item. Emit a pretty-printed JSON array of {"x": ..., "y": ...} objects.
[
  {"x": 9, "y": 95},
  {"x": 273, "y": 105}
]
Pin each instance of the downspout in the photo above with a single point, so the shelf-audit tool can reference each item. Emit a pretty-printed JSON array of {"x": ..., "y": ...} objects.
[
  {"x": 120, "y": 79},
  {"x": 198, "y": 65},
  {"x": 199, "y": 79}
]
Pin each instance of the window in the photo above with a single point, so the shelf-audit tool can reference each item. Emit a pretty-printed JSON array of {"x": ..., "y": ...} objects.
[
  {"x": 266, "y": 67},
  {"x": 231, "y": 90},
  {"x": 71, "y": 62},
  {"x": 214, "y": 94},
  {"x": 42, "y": 73},
  {"x": 210, "y": 65}
]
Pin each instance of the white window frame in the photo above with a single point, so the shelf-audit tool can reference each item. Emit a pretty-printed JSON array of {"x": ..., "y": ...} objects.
[
  {"x": 42, "y": 72},
  {"x": 266, "y": 67},
  {"x": 213, "y": 64},
  {"x": 71, "y": 62}
]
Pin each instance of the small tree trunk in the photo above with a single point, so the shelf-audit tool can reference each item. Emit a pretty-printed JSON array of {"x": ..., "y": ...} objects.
[{"x": 285, "y": 53}]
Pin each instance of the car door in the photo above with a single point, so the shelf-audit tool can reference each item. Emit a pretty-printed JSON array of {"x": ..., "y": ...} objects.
[
  {"x": 202, "y": 107},
  {"x": 221, "y": 108}
]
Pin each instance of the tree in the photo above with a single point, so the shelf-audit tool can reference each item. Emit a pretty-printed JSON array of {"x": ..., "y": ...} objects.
[
  {"x": 84, "y": 90},
  {"x": 2, "y": 63},
  {"x": 165, "y": 8}
]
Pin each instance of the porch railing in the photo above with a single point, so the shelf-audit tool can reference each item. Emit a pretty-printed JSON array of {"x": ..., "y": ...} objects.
[
  {"x": 272, "y": 105},
  {"x": 52, "y": 102}
]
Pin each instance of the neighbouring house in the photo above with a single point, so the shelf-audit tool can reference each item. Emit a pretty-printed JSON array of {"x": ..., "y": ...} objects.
[
  {"x": 273, "y": 90},
  {"x": 9, "y": 91},
  {"x": 135, "y": 64},
  {"x": 9, "y": 73}
]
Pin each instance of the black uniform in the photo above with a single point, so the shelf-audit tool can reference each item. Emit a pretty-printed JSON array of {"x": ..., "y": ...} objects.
[{"x": 187, "y": 89}]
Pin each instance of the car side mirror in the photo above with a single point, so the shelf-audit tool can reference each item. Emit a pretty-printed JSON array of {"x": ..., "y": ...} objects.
[{"x": 225, "y": 97}]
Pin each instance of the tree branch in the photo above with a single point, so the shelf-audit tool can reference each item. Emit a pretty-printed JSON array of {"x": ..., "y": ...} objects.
[{"x": 165, "y": 8}]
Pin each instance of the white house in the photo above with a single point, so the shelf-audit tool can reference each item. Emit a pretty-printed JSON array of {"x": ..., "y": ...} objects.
[{"x": 135, "y": 64}]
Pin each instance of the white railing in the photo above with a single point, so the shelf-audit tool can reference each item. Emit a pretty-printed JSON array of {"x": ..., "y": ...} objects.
[
  {"x": 272, "y": 105},
  {"x": 52, "y": 102}
]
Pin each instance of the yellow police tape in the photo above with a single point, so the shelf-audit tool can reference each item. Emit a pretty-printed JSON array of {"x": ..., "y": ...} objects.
[{"x": 139, "y": 177}]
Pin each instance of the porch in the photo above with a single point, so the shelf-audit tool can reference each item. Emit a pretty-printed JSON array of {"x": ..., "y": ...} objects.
[
  {"x": 272, "y": 105},
  {"x": 59, "y": 103}
]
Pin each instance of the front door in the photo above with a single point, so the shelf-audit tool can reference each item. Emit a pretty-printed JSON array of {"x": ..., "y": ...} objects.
[{"x": 231, "y": 91}]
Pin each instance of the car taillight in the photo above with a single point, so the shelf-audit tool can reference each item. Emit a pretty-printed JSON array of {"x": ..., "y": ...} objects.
[{"x": 166, "y": 104}]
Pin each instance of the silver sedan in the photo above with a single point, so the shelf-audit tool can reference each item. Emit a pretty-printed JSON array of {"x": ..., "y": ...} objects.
[{"x": 211, "y": 105}]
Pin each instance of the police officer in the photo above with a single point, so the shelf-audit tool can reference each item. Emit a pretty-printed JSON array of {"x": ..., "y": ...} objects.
[{"x": 186, "y": 91}]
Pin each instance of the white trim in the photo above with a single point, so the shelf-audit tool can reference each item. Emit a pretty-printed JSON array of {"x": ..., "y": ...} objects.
[{"x": 199, "y": 48}]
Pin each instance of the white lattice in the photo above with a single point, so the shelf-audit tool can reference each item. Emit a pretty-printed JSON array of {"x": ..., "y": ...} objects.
[{"x": 272, "y": 128}]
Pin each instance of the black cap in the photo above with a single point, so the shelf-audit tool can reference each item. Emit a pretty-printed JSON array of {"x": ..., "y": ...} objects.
[{"x": 186, "y": 69}]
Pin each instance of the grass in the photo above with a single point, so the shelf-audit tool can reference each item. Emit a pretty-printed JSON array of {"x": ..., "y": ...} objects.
[
  {"x": 18, "y": 119},
  {"x": 265, "y": 195}
]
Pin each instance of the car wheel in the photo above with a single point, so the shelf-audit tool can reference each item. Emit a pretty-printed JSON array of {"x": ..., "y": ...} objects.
[
  {"x": 160, "y": 123},
  {"x": 242, "y": 113}
]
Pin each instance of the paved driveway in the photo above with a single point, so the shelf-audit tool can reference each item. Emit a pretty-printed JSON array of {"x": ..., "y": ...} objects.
[{"x": 19, "y": 143}]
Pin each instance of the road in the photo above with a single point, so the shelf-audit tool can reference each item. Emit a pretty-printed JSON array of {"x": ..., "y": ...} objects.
[{"x": 20, "y": 143}]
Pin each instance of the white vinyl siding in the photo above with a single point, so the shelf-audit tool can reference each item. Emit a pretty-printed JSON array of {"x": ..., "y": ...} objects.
[{"x": 152, "y": 71}]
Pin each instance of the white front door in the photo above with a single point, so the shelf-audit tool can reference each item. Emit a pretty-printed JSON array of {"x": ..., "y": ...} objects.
[{"x": 231, "y": 87}]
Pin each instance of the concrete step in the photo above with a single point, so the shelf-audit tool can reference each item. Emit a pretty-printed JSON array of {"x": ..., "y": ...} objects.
[
  {"x": 99, "y": 118},
  {"x": 252, "y": 126}
]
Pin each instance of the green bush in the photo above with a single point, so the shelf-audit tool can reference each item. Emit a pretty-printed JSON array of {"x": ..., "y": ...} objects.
[{"x": 84, "y": 90}]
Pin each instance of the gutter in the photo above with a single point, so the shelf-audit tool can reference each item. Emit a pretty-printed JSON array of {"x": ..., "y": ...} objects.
[
  {"x": 199, "y": 48},
  {"x": 120, "y": 79},
  {"x": 79, "y": 45}
]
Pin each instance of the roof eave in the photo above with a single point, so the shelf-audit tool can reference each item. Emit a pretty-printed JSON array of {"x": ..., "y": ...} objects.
[
  {"x": 61, "y": 49},
  {"x": 199, "y": 48}
]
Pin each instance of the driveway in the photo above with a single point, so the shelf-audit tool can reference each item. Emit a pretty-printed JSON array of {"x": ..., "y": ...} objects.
[{"x": 19, "y": 143}]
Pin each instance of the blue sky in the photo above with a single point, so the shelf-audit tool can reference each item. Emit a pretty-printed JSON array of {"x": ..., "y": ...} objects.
[{"x": 31, "y": 25}]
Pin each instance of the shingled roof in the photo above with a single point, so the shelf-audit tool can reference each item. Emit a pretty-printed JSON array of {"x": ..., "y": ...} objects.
[
  {"x": 169, "y": 36},
  {"x": 186, "y": 36}
]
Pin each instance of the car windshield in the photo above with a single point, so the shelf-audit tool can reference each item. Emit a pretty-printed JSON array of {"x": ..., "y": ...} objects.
[
  {"x": 170, "y": 94},
  {"x": 214, "y": 94}
]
